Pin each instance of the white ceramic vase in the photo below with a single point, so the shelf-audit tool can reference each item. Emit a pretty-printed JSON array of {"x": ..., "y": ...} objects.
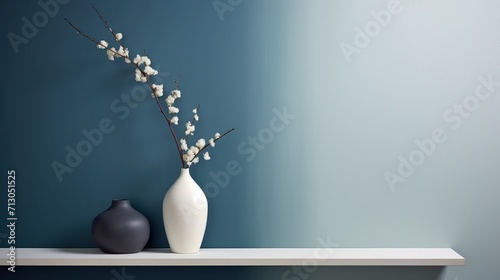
[{"x": 185, "y": 213}]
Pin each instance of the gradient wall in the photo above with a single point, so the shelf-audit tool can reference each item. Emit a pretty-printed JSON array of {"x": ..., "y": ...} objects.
[{"x": 366, "y": 124}]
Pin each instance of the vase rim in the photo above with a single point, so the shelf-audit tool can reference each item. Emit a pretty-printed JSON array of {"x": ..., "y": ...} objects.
[{"x": 120, "y": 202}]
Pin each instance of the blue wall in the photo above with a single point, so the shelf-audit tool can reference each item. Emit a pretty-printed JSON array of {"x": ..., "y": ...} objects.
[{"x": 389, "y": 135}]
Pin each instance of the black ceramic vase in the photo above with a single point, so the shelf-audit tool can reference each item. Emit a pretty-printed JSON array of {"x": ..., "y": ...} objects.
[{"x": 120, "y": 229}]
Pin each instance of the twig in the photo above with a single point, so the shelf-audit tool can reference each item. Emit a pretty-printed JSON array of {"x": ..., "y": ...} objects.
[
  {"x": 143, "y": 73},
  {"x": 92, "y": 39},
  {"x": 208, "y": 144}
]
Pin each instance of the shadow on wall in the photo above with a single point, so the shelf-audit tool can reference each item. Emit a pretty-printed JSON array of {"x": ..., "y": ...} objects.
[{"x": 275, "y": 273}]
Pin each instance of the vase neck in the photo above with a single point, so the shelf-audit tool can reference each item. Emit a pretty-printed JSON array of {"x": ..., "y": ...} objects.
[
  {"x": 185, "y": 172},
  {"x": 120, "y": 203}
]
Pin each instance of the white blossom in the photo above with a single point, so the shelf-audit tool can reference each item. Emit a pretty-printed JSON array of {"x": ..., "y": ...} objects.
[
  {"x": 158, "y": 90},
  {"x": 196, "y": 117},
  {"x": 137, "y": 60},
  {"x": 142, "y": 60},
  {"x": 189, "y": 128},
  {"x": 175, "y": 120},
  {"x": 150, "y": 71},
  {"x": 146, "y": 60},
  {"x": 139, "y": 77},
  {"x": 111, "y": 53},
  {"x": 123, "y": 52},
  {"x": 217, "y": 135},
  {"x": 211, "y": 142},
  {"x": 176, "y": 93},
  {"x": 201, "y": 143},
  {"x": 194, "y": 150},
  {"x": 189, "y": 163},
  {"x": 102, "y": 45},
  {"x": 170, "y": 100},
  {"x": 184, "y": 146},
  {"x": 195, "y": 110},
  {"x": 206, "y": 156},
  {"x": 196, "y": 160},
  {"x": 190, "y": 154},
  {"x": 173, "y": 110},
  {"x": 118, "y": 36}
]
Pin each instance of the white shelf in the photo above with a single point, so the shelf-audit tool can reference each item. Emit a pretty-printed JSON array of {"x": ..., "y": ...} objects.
[{"x": 239, "y": 257}]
